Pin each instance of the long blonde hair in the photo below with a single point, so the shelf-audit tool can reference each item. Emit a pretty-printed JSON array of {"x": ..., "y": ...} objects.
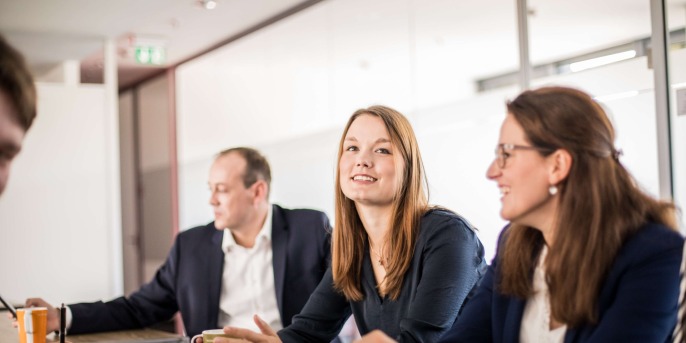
[
  {"x": 409, "y": 204},
  {"x": 600, "y": 205}
]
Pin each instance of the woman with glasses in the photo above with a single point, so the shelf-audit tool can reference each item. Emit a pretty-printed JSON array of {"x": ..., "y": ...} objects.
[
  {"x": 588, "y": 256},
  {"x": 398, "y": 265}
]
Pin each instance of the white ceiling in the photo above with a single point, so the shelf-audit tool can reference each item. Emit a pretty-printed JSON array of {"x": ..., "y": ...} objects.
[{"x": 51, "y": 31}]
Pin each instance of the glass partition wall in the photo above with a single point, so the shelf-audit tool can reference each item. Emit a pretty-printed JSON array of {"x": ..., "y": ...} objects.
[
  {"x": 611, "y": 50},
  {"x": 449, "y": 65},
  {"x": 676, "y": 24},
  {"x": 603, "y": 48},
  {"x": 289, "y": 88}
]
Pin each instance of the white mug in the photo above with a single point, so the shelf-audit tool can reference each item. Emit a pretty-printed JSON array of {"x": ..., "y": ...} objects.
[{"x": 209, "y": 335}]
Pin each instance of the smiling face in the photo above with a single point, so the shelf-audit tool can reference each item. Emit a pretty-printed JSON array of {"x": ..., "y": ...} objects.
[
  {"x": 523, "y": 181},
  {"x": 369, "y": 168}
]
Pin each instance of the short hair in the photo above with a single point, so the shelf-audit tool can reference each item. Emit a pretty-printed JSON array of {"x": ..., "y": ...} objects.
[
  {"x": 256, "y": 168},
  {"x": 17, "y": 83}
]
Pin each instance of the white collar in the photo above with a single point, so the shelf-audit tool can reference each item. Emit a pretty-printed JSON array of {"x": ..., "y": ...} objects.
[{"x": 265, "y": 233}]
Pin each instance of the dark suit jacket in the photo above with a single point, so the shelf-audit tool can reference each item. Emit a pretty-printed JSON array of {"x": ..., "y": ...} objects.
[
  {"x": 190, "y": 279},
  {"x": 637, "y": 302}
]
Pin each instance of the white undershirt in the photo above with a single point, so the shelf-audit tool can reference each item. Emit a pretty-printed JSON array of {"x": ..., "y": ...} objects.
[
  {"x": 248, "y": 282},
  {"x": 535, "y": 326}
]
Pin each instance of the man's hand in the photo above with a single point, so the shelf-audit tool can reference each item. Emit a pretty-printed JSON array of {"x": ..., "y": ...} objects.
[
  {"x": 268, "y": 334},
  {"x": 53, "y": 314},
  {"x": 14, "y": 320}
]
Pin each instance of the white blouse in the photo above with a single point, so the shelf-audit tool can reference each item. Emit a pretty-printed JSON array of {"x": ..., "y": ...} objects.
[{"x": 536, "y": 319}]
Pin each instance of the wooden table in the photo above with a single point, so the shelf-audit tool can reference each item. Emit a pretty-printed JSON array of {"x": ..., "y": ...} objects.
[{"x": 9, "y": 334}]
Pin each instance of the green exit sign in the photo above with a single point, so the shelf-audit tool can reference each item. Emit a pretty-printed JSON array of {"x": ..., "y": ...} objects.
[{"x": 154, "y": 55}]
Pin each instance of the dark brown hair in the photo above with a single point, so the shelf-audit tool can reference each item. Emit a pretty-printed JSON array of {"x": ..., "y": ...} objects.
[
  {"x": 600, "y": 205},
  {"x": 17, "y": 83},
  {"x": 409, "y": 204}
]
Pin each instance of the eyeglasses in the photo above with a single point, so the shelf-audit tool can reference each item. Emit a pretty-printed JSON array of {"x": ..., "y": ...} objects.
[{"x": 502, "y": 152}]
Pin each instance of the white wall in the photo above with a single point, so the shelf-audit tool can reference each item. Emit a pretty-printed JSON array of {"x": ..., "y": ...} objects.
[
  {"x": 289, "y": 88},
  {"x": 155, "y": 205},
  {"x": 129, "y": 193},
  {"x": 56, "y": 234}
]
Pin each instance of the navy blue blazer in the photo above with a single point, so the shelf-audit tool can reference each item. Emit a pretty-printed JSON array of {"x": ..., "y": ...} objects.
[
  {"x": 637, "y": 302},
  {"x": 190, "y": 279}
]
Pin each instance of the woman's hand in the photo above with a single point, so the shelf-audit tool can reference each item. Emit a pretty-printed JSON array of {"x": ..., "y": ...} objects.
[
  {"x": 268, "y": 334},
  {"x": 376, "y": 336}
]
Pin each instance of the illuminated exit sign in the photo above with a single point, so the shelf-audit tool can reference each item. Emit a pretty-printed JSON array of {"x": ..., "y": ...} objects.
[{"x": 154, "y": 55}]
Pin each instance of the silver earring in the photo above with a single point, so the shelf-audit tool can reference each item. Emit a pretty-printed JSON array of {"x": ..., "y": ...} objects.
[{"x": 552, "y": 190}]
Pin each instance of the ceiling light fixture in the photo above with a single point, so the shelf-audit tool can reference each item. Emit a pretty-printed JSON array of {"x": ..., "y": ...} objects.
[
  {"x": 208, "y": 4},
  {"x": 616, "y": 96},
  {"x": 601, "y": 61}
]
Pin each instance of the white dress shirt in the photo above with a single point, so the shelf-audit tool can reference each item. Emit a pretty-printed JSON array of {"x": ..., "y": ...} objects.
[
  {"x": 535, "y": 326},
  {"x": 248, "y": 282}
]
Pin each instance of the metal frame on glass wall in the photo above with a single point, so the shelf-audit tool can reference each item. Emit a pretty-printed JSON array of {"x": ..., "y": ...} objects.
[
  {"x": 659, "y": 55},
  {"x": 523, "y": 30},
  {"x": 660, "y": 64}
]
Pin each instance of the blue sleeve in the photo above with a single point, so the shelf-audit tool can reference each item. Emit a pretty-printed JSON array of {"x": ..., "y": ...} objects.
[
  {"x": 322, "y": 317},
  {"x": 452, "y": 263},
  {"x": 474, "y": 323},
  {"x": 328, "y": 229}
]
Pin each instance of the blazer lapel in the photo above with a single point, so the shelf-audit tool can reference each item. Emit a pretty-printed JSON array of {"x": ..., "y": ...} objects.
[
  {"x": 279, "y": 253},
  {"x": 216, "y": 268},
  {"x": 513, "y": 320}
]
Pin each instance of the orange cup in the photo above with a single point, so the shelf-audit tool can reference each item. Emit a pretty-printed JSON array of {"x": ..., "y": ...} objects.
[{"x": 33, "y": 322}]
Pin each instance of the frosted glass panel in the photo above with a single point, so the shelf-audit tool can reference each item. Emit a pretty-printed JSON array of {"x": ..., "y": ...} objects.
[
  {"x": 455, "y": 47},
  {"x": 676, "y": 19},
  {"x": 592, "y": 57},
  {"x": 562, "y": 29}
]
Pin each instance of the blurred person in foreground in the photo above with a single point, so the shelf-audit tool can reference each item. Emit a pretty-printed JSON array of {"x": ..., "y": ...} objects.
[{"x": 17, "y": 106}]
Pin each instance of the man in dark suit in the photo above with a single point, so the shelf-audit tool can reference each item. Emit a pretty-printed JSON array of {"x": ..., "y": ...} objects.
[{"x": 255, "y": 258}]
